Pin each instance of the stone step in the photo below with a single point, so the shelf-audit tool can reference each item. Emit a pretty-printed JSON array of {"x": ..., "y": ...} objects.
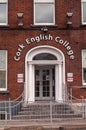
[
  {"x": 45, "y": 108},
  {"x": 43, "y": 105},
  {"x": 44, "y": 111},
  {"x": 36, "y": 112},
  {"x": 31, "y": 128},
  {"x": 47, "y": 116}
]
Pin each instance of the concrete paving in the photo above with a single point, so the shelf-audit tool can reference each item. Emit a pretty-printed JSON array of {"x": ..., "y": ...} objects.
[{"x": 44, "y": 124}]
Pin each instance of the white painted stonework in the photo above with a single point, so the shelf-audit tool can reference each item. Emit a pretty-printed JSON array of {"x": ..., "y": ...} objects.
[{"x": 30, "y": 73}]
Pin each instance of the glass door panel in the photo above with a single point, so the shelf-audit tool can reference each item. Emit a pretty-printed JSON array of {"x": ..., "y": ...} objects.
[
  {"x": 44, "y": 83},
  {"x": 37, "y": 83},
  {"x": 46, "y": 89},
  {"x": 37, "y": 91}
]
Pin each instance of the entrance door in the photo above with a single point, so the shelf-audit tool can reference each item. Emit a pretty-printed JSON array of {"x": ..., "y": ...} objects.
[{"x": 44, "y": 82}]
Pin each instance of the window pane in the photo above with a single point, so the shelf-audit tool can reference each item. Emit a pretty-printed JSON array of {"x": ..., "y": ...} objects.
[
  {"x": 84, "y": 65},
  {"x": 2, "y": 13},
  {"x": 84, "y": 11},
  {"x": 3, "y": 1},
  {"x": 2, "y": 79},
  {"x": 3, "y": 69},
  {"x": 41, "y": 1},
  {"x": 2, "y": 60},
  {"x": 44, "y": 56},
  {"x": 44, "y": 13}
]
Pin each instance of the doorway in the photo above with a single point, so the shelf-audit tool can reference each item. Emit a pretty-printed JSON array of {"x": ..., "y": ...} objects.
[
  {"x": 44, "y": 74},
  {"x": 44, "y": 82}
]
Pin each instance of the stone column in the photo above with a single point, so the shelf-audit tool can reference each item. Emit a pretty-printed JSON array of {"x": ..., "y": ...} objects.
[
  {"x": 60, "y": 99},
  {"x": 56, "y": 82},
  {"x": 31, "y": 89}
]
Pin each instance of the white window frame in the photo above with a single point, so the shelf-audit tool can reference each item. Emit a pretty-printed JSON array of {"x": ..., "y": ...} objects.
[
  {"x": 83, "y": 83},
  {"x": 5, "y": 1},
  {"x": 82, "y": 1},
  {"x": 4, "y": 113},
  {"x": 45, "y": 1},
  {"x": 5, "y": 89}
]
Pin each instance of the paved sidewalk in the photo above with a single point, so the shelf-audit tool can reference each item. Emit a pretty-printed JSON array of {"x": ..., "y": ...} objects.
[{"x": 43, "y": 123}]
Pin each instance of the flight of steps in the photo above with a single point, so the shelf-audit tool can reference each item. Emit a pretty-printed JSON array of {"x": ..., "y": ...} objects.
[{"x": 46, "y": 111}]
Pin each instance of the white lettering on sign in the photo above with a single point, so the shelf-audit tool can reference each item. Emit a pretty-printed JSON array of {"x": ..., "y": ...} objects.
[
  {"x": 70, "y": 75},
  {"x": 18, "y": 53},
  {"x": 39, "y": 38},
  {"x": 70, "y": 79},
  {"x": 66, "y": 45},
  {"x": 44, "y": 37},
  {"x": 20, "y": 75}
]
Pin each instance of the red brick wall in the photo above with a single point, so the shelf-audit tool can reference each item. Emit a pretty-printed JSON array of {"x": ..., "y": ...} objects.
[
  {"x": 61, "y": 9},
  {"x": 13, "y": 35}
]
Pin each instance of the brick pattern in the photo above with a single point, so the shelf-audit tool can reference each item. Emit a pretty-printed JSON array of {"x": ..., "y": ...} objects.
[{"x": 12, "y": 36}]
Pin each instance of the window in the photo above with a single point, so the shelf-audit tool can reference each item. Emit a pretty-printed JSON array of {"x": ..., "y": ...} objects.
[
  {"x": 44, "y": 56},
  {"x": 84, "y": 67},
  {"x": 3, "y": 12},
  {"x": 3, "y": 70},
  {"x": 83, "y": 11},
  {"x": 44, "y": 12},
  {"x": 3, "y": 115}
]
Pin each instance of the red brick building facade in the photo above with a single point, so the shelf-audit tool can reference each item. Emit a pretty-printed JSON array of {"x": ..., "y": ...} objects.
[{"x": 42, "y": 52}]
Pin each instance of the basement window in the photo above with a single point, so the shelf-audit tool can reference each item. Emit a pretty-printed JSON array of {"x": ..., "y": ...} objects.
[{"x": 3, "y": 115}]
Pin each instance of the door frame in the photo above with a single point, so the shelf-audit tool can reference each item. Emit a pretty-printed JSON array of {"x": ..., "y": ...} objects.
[{"x": 29, "y": 88}]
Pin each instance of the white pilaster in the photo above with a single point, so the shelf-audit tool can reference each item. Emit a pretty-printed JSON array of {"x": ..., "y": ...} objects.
[
  {"x": 56, "y": 82},
  {"x": 60, "y": 83},
  {"x": 31, "y": 96},
  {"x": 30, "y": 73}
]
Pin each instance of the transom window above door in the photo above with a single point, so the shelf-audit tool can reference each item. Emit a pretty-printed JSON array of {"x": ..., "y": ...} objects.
[
  {"x": 44, "y": 56},
  {"x": 44, "y": 12}
]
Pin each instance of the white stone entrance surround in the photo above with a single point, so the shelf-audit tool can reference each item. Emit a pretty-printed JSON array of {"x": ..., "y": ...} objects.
[{"x": 29, "y": 89}]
